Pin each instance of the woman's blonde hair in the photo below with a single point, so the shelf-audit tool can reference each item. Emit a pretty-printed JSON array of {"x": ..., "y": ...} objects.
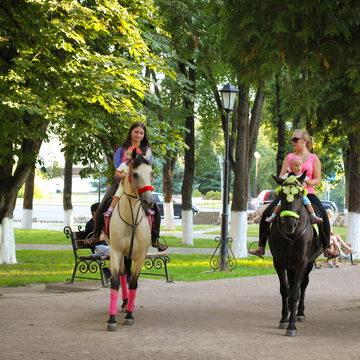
[{"x": 309, "y": 139}]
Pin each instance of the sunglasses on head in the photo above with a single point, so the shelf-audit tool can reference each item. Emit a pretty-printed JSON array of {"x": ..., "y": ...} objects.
[{"x": 295, "y": 139}]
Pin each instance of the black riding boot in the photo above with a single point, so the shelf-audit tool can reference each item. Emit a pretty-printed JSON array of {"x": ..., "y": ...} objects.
[{"x": 155, "y": 232}]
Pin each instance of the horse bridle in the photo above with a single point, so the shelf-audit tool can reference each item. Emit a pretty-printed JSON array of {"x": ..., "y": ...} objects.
[
  {"x": 297, "y": 221},
  {"x": 292, "y": 240}
]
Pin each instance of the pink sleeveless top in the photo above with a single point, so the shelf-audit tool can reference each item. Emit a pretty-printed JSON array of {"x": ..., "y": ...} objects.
[{"x": 307, "y": 165}]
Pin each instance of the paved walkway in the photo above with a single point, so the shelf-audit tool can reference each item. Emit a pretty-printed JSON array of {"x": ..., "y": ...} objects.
[{"x": 213, "y": 320}]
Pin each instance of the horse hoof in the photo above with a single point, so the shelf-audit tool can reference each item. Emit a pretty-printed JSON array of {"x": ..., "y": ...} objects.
[
  {"x": 283, "y": 325},
  {"x": 300, "y": 318},
  {"x": 123, "y": 306},
  {"x": 111, "y": 326},
  {"x": 128, "y": 321},
  {"x": 290, "y": 332}
]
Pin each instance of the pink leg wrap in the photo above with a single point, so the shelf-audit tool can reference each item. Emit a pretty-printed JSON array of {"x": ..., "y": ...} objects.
[
  {"x": 124, "y": 287},
  {"x": 113, "y": 302},
  {"x": 150, "y": 220},
  {"x": 131, "y": 301}
]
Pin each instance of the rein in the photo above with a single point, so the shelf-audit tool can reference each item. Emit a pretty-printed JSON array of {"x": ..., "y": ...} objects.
[{"x": 135, "y": 219}]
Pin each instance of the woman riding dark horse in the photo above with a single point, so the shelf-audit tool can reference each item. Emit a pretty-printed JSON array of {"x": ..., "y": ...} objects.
[
  {"x": 294, "y": 245},
  {"x": 302, "y": 143}
]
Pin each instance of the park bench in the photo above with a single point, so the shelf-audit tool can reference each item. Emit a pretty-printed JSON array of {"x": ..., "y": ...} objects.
[{"x": 87, "y": 263}]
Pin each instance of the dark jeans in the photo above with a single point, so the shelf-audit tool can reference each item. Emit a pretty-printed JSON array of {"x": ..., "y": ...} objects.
[
  {"x": 104, "y": 205},
  {"x": 324, "y": 229}
]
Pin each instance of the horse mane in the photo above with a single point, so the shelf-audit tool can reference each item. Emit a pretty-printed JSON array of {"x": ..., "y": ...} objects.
[{"x": 140, "y": 159}]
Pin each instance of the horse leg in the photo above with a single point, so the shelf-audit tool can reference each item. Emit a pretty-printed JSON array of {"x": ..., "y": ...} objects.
[
  {"x": 300, "y": 316},
  {"x": 284, "y": 291},
  {"x": 294, "y": 295},
  {"x": 124, "y": 286},
  {"x": 133, "y": 284},
  {"x": 114, "y": 293}
]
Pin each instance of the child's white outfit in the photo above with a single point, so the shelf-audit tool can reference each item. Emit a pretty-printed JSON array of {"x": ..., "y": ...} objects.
[{"x": 123, "y": 168}]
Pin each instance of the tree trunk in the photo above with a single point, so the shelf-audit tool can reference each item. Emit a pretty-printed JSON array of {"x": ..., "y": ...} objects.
[
  {"x": 346, "y": 160},
  {"x": 168, "y": 168},
  {"x": 11, "y": 183},
  {"x": 238, "y": 228},
  {"x": 68, "y": 208},
  {"x": 219, "y": 106},
  {"x": 280, "y": 156},
  {"x": 26, "y": 221},
  {"x": 168, "y": 175},
  {"x": 353, "y": 223},
  {"x": 189, "y": 169},
  {"x": 255, "y": 121}
]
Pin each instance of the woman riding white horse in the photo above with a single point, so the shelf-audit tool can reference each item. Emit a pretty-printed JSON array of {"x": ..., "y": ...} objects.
[{"x": 130, "y": 235}]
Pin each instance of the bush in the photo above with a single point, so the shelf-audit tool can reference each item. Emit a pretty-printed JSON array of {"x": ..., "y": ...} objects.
[
  {"x": 38, "y": 194},
  {"x": 213, "y": 195},
  {"x": 196, "y": 193}
]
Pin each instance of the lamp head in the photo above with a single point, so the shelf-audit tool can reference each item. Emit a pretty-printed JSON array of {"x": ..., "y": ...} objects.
[{"x": 228, "y": 96}]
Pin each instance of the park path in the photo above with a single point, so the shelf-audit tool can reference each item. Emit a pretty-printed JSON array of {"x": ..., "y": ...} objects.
[{"x": 208, "y": 320}]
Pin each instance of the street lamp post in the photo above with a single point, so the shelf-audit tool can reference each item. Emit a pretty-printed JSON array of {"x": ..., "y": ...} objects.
[
  {"x": 257, "y": 157},
  {"x": 228, "y": 96}
]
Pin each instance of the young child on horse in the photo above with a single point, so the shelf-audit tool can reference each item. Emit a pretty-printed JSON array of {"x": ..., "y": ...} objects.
[
  {"x": 295, "y": 168},
  {"x": 120, "y": 173}
]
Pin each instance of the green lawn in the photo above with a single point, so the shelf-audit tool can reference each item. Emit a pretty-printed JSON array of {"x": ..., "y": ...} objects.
[
  {"x": 36, "y": 266},
  {"x": 59, "y": 238}
]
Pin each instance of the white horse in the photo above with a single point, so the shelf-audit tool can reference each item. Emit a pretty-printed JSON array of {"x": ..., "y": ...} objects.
[{"x": 130, "y": 236}]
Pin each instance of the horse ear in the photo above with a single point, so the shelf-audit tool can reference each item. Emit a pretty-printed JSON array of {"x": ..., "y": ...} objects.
[
  {"x": 279, "y": 180},
  {"x": 302, "y": 177},
  {"x": 134, "y": 154}
]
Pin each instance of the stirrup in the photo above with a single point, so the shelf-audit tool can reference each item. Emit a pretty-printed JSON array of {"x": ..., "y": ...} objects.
[
  {"x": 315, "y": 220},
  {"x": 331, "y": 255},
  {"x": 257, "y": 252},
  {"x": 158, "y": 245}
]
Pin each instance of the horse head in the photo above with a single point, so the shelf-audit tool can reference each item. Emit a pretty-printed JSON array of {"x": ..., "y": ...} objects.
[
  {"x": 140, "y": 177},
  {"x": 291, "y": 192}
]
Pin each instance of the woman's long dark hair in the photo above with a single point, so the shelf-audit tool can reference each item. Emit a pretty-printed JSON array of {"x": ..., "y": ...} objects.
[{"x": 144, "y": 144}]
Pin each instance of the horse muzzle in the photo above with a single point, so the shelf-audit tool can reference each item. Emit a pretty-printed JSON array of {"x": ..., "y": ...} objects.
[
  {"x": 147, "y": 203},
  {"x": 289, "y": 221}
]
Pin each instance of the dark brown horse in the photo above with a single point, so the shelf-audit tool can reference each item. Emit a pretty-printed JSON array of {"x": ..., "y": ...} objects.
[{"x": 294, "y": 245}]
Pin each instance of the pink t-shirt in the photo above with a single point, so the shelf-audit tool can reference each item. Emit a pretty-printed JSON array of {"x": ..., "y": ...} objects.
[{"x": 307, "y": 165}]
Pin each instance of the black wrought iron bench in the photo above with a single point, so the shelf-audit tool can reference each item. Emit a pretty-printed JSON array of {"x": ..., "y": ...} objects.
[{"x": 88, "y": 263}]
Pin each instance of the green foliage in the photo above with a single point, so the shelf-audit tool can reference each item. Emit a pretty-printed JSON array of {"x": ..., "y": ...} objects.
[
  {"x": 266, "y": 163},
  {"x": 196, "y": 193},
  {"x": 76, "y": 71},
  {"x": 38, "y": 193},
  {"x": 51, "y": 171},
  {"x": 213, "y": 195}
]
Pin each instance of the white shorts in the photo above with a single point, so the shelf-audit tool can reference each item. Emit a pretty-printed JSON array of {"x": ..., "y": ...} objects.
[{"x": 120, "y": 190}]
